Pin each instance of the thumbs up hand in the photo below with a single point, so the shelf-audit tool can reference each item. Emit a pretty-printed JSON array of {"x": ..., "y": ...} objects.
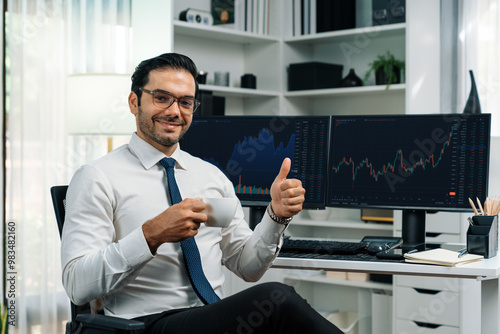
[{"x": 287, "y": 195}]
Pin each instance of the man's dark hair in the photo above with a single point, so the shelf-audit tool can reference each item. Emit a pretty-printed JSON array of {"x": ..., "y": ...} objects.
[{"x": 165, "y": 61}]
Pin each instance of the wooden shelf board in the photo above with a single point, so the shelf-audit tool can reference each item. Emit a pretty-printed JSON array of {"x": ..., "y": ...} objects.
[
  {"x": 221, "y": 34},
  {"x": 348, "y": 91},
  {"x": 349, "y": 34},
  {"x": 239, "y": 92}
]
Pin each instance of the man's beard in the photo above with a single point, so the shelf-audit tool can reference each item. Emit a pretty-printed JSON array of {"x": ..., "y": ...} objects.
[{"x": 147, "y": 127}]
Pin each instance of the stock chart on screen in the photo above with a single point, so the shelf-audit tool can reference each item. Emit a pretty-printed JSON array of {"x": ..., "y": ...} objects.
[
  {"x": 251, "y": 149},
  {"x": 420, "y": 161}
]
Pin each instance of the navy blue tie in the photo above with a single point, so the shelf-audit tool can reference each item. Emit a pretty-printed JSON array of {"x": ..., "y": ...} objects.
[{"x": 189, "y": 248}]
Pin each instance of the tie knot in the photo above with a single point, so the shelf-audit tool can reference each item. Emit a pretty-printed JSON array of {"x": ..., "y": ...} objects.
[{"x": 167, "y": 162}]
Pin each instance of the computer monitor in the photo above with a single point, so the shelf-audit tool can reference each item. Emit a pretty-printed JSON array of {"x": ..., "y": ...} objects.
[
  {"x": 416, "y": 163},
  {"x": 251, "y": 149}
]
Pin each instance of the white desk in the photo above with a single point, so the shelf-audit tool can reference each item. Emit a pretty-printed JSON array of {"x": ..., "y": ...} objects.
[{"x": 487, "y": 271}]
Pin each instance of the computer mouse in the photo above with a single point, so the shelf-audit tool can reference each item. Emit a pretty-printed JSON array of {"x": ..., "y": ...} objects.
[{"x": 375, "y": 247}]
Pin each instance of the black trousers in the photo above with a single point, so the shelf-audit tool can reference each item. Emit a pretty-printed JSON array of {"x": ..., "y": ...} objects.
[{"x": 269, "y": 308}]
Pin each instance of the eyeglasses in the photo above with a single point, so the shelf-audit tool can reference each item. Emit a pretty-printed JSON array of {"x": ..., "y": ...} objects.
[{"x": 164, "y": 100}]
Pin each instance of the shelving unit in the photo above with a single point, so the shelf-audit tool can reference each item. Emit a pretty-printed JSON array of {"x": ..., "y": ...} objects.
[
  {"x": 215, "y": 48},
  {"x": 268, "y": 57}
]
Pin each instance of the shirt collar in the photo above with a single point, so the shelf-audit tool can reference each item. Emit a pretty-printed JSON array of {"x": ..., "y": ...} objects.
[{"x": 149, "y": 155}]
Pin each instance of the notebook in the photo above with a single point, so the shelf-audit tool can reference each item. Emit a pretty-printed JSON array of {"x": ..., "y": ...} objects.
[{"x": 442, "y": 257}]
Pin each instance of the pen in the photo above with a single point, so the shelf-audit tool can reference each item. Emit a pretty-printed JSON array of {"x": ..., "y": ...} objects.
[
  {"x": 397, "y": 244},
  {"x": 462, "y": 252},
  {"x": 473, "y": 206},
  {"x": 480, "y": 206}
]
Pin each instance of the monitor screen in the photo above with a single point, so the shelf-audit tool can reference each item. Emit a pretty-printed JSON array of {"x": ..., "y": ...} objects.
[
  {"x": 251, "y": 149},
  {"x": 430, "y": 162}
]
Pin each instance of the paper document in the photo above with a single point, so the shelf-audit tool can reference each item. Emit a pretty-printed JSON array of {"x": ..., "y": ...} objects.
[{"x": 443, "y": 257}]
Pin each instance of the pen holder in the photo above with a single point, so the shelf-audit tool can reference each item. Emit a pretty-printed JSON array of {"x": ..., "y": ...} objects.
[{"x": 482, "y": 236}]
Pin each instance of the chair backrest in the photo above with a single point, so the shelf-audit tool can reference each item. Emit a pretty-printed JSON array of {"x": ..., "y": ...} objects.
[
  {"x": 96, "y": 322},
  {"x": 58, "y": 194}
]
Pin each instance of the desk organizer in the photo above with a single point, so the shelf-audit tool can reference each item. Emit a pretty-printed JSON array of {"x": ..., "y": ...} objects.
[{"x": 482, "y": 236}]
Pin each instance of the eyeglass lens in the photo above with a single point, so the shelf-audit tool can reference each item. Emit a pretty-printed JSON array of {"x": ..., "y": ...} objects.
[{"x": 164, "y": 100}]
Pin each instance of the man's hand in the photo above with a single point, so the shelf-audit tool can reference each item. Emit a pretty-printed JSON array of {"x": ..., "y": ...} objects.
[
  {"x": 179, "y": 222},
  {"x": 287, "y": 195}
]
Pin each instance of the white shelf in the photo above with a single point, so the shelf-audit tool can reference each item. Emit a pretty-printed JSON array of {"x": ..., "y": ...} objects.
[
  {"x": 325, "y": 280},
  {"x": 183, "y": 28},
  {"x": 344, "y": 223},
  {"x": 239, "y": 92},
  {"x": 348, "y": 34},
  {"x": 348, "y": 91}
]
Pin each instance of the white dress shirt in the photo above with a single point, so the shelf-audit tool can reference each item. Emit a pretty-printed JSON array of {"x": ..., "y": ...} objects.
[{"x": 104, "y": 251}]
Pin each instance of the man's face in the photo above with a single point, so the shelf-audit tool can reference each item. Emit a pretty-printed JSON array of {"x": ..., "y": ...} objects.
[{"x": 163, "y": 128}]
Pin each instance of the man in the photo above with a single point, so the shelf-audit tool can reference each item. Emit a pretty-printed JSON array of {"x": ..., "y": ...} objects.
[{"x": 125, "y": 233}]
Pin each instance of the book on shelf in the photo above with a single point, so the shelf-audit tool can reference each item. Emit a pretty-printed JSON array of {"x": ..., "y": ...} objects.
[
  {"x": 305, "y": 16},
  {"x": 254, "y": 16},
  {"x": 235, "y": 14},
  {"x": 442, "y": 257},
  {"x": 223, "y": 12}
]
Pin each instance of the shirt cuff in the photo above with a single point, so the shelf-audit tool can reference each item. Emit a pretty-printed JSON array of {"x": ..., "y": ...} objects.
[
  {"x": 271, "y": 231},
  {"x": 135, "y": 249}
]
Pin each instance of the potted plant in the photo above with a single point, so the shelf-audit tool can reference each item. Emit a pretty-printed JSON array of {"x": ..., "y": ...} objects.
[{"x": 387, "y": 69}]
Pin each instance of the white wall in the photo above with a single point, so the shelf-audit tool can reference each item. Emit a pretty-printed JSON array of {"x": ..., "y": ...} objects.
[
  {"x": 150, "y": 40},
  {"x": 494, "y": 184}
]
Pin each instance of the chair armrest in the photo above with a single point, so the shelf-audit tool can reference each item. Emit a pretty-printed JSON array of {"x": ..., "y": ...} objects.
[{"x": 100, "y": 320}]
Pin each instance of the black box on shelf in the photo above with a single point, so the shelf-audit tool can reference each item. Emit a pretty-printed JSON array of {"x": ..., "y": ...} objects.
[
  {"x": 388, "y": 11},
  {"x": 210, "y": 105},
  {"x": 314, "y": 75}
]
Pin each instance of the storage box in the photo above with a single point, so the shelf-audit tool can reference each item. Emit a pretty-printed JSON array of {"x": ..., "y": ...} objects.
[
  {"x": 358, "y": 277},
  {"x": 336, "y": 275},
  {"x": 314, "y": 75}
]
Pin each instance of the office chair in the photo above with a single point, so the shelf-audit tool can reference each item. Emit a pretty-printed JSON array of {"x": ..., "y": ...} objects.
[{"x": 82, "y": 320}]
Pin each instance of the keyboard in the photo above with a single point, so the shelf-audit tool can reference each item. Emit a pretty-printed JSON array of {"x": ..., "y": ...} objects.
[
  {"x": 306, "y": 246},
  {"x": 337, "y": 257}
]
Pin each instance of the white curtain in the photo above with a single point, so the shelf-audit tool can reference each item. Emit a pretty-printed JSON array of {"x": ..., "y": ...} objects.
[
  {"x": 46, "y": 41},
  {"x": 479, "y": 50}
]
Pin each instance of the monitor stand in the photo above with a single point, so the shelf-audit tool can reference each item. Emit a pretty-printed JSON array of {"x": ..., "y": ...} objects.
[
  {"x": 256, "y": 214},
  {"x": 413, "y": 230}
]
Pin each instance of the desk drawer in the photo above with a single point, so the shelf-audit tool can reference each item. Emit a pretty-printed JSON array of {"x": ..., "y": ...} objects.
[
  {"x": 410, "y": 327},
  {"x": 428, "y": 306},
  {"x": 433, "y": 283}
]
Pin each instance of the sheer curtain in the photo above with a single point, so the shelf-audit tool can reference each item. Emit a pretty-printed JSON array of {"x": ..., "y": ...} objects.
[
  {"x": 46, "y": 41},
  {"x": 479, "y": 50}
]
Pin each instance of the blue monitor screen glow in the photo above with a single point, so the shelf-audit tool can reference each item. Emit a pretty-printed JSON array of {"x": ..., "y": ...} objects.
[{"x": 251, "y": 149}]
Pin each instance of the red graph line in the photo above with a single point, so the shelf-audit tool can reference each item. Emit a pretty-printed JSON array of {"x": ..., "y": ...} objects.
[{"x": 399, "y": 159}]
